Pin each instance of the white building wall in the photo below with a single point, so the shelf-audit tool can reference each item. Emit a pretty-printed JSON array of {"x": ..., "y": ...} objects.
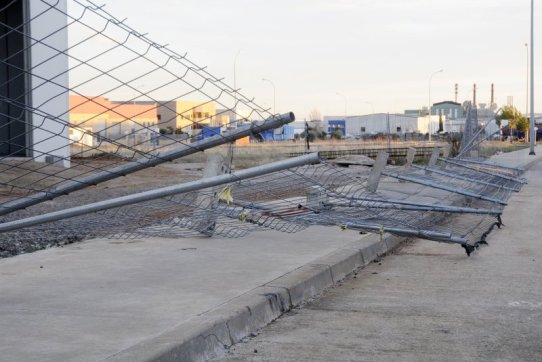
[
  {"x": 378, "y": 123},
  {"x": 49, "y": 80},
  {"x": 430, "y": 126}
]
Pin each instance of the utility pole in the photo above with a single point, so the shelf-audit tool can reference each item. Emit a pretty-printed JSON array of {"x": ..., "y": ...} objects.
[{"x": 532, "y": 120}]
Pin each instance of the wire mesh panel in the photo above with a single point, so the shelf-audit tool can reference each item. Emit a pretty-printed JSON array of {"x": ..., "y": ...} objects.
[
  {"x": 85, "y": 98},
  {"x": 128, "y": 101},
  {"x": 286, "y": 200}
]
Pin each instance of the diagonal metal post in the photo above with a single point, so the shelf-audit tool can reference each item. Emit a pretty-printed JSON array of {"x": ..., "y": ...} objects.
[{"x": 161, "y": 192}]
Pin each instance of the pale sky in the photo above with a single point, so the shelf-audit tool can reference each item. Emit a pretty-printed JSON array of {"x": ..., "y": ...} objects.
[{"x": 378, "y": 53}]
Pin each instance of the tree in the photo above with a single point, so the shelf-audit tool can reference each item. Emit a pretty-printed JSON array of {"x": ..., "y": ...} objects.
[
  {"x": 315, "y": 115},
  {"x": 522, "y": 124},
  {"x": 336, "y": 134},
  {"x": 514, "y": 117}
]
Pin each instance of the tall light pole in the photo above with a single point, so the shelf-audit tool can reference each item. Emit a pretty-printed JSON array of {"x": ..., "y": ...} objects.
[
  {"x": 274, "y": 93},
  {"x": 532, "y": 140},
  {"x": 345, "y": 104},
  {"x": 429, "y": 108},
  {"x": 527, "y": 81}
]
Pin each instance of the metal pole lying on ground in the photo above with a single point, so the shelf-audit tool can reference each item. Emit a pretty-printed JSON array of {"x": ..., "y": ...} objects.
[
  {"x": 495, "y": 174},
  {"x": 463, "y": 178},
  {"x": 428, "y": 234},
  {"x": 435, "y": 185},
  {"x": 161, "y": 192},
  {"x": 413, "y": 206},
  {"x": 123, "y": 170},
  {"x": 518, "y": 170}
]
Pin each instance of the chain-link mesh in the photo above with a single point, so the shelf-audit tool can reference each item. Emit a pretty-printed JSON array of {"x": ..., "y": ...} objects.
[
  {"x": 129, "y": 100},
  {"x": 292, "y": 199}
]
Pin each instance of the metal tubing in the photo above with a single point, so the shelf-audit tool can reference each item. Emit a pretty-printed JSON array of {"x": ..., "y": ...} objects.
[
  {"x": 123, "y": 170},
  {"x": 425, "y": 234},
  {"x": 444, "y": 187},
  {"x": 433, "y": 207},
  {"x": 492, "y": 164},
  {"x": 463, "y": 178},
  {"x": 509, "y": 178},
  {"x": 161, "y": 192},
  {"x": 451, "y": 210}
]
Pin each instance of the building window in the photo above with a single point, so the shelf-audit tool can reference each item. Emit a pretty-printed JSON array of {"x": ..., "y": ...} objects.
[
  {"x": 362, "y": 129},
  {"x": 399, "y": 129}
]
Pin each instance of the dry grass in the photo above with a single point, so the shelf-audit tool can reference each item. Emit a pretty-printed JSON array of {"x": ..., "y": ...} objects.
[{"x": 489, "y": 148}]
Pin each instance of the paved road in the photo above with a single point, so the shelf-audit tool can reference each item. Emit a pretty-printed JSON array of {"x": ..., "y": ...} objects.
[{"x": 427, "y": 302}]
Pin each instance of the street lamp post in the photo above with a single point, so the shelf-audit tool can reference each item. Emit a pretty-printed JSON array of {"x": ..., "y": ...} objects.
[
  {"x": 527, "y": 81},
  {"x": 429, "y": 108},
  {"x": 274, "y": 93},
  {"x": 345, "y": 104},
  {"x": 532, "y": 140}
]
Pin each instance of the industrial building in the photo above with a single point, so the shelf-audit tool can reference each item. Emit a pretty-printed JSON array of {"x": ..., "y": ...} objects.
[
  {"x": 110, "y": 119},
  {"x": 372, "y": 124}
]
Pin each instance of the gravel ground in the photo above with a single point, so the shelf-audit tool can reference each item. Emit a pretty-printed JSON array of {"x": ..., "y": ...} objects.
[{"x": 160, "y": 176}]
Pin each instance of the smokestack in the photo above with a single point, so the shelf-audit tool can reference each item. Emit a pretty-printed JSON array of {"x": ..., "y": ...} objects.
[
  {"x": 474, "y": 96},
  {"x": 492, "y": 94},
  {"x": 456, "y": 91}
]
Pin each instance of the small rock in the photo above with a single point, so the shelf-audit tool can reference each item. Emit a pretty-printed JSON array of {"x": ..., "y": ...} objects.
[
  {"x": 255, "y": 351},
  {"x": 41, "y": 266},
  {"x": 374, "y": 273}
]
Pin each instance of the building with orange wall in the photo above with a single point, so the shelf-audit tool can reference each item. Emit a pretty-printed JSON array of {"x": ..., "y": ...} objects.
[{"x": 111, "y": 119}]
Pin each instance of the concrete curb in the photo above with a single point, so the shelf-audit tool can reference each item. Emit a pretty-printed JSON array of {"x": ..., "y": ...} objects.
[{"x": 213, "y": 333}]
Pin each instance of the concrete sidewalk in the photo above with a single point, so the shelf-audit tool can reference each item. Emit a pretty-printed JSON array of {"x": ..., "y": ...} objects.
[
  {"x": 92, "y": 300},
  {"x": 425, "y": 302},
  {"x": 177, "y": 299}
]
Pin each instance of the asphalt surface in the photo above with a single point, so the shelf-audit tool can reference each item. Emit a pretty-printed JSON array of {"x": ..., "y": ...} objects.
[{"x": 426, "y": 302}]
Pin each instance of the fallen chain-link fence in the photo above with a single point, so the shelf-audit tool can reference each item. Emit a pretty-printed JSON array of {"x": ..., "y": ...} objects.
[
  {"x": 131, "y": 104},
  {"x": 279, "y": 197},
  {"x": 129, "y": 101}
]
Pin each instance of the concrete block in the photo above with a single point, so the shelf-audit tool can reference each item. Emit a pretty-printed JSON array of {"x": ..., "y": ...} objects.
[
  {"x": 446, "y": 150},
  {"x": 376, "y": 171},
  {"x": 411, "y": 154}
]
